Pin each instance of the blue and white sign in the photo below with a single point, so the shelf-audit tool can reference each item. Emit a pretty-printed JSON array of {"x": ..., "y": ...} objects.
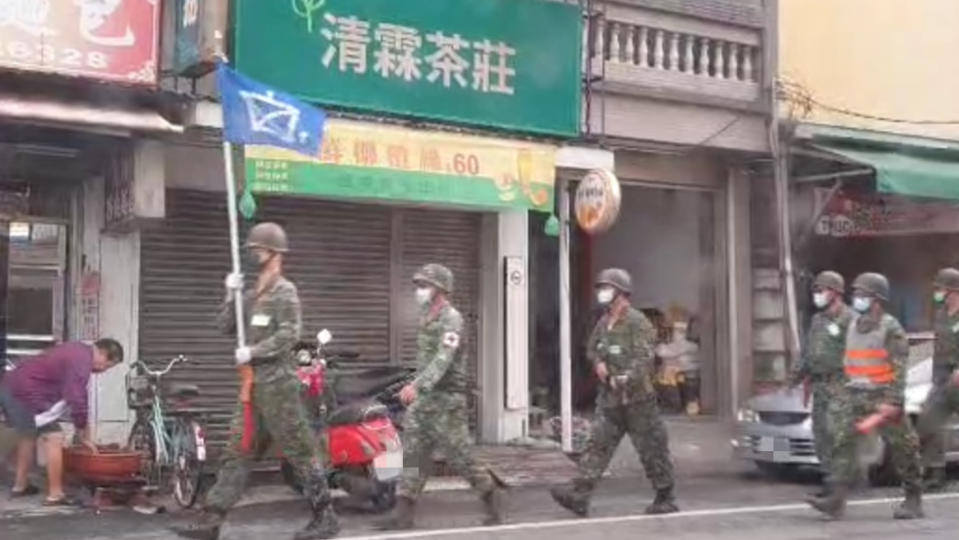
[{"x": 254, "y": 113}]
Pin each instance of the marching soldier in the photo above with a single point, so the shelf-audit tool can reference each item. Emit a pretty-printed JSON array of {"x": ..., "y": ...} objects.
[
  {"x": 943, "y": 400},
  {"x": 273, "y": 308},
  {"x": 437, "y": 416},
  {"x": 620, "y": 349},
  {"x": 875, "y": 364},
  {"x": 821, "y": 365}
]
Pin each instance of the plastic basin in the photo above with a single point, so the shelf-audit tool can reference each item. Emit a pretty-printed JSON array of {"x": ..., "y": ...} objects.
[{"x": 109, "y": 465}]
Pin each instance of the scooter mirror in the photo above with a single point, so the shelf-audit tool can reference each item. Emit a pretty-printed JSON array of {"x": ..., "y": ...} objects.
[{"x": 324, "y": 336}]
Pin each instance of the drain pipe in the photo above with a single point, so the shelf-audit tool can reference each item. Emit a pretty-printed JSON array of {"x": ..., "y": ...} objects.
[{"x": 781, "y": 181}]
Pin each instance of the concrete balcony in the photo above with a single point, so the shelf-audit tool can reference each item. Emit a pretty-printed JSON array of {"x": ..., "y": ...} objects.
[{"x": 689, "y": 74}]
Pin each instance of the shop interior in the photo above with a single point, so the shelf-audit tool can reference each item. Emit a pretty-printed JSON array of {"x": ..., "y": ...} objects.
[{"x": 666, "y": 239}]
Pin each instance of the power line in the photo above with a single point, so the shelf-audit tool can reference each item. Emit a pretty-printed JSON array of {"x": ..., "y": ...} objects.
[{"x": 799, "y": 95}]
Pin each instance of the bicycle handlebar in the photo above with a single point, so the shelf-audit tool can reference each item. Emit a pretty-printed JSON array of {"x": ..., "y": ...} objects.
[{"x": 176, "y": 360}]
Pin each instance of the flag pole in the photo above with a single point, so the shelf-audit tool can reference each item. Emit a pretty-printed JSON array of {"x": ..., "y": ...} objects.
[
  {"x": 231, "y": 203},
  {"x": 245, "y": 371}
]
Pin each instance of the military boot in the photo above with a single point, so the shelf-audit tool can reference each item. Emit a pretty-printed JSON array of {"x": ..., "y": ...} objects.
[
  {"x": 323, "y": 525},
  {"x": 911, "y": 508},
  {"x": 205, "y": 527},
  {"x": 935, "y": 480},
  {"x": 401, "y": 517},
  {"x": 832, "y": 505},
  {"x": 493, "y": 504},
  {"x": 574, "y": 497},
  {"x": 664, "y": 503}
]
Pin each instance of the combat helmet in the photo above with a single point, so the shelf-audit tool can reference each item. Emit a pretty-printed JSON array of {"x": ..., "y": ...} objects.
[
  {"x": 269, "y": 236},
  {"x": 872, "y": 283},
  {"x": 947, "y": 278},
  {"x": 436, "y": 275},
  {"x": 830, "y": 280},
  {"x": 616, "y": 278}
]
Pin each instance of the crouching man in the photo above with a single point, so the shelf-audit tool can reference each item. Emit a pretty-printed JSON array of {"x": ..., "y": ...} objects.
[{"x": 41, "y": 391}]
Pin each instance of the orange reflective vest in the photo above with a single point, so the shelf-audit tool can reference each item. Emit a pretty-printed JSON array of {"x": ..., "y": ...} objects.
[{"x": 867, "y": 363}]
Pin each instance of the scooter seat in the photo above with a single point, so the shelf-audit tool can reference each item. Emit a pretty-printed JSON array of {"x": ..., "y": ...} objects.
[{"x": 356, "y": 413}]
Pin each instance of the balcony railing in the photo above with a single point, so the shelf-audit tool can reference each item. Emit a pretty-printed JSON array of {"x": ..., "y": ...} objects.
[{"x": 667, "y": 53}]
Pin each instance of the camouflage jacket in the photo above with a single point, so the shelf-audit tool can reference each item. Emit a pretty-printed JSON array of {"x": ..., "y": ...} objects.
[
  {"x": 946, "y": 355},
  {"x": 272, "y": 329},
  {"x": 441, "y": 364},
  {"x": 822, "y": 357},
  {"x": 627, "y": 349}
]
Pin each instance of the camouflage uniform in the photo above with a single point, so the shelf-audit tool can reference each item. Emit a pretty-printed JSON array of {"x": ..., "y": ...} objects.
[
  {"x": 438, "y": 417},
  {"x": 943, "y": 400},
  {"x": 626, "y": 348},
  {"x": 860, "y": 403},
  {"x": 280, "y": 416},
  {"x": 822, "y": 365}
]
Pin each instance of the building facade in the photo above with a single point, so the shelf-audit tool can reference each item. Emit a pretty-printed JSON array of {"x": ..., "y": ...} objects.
[
  {"x": 870, "y": 137},
  {"x": 429, "y": 156}
]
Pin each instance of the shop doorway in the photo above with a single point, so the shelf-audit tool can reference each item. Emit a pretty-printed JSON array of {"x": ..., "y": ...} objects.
[
  {"x": 666, "y": 239},
  {"x": 33, "y": 255}
]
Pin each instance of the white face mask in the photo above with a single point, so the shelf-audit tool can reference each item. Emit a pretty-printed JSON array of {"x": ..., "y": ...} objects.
[
  {"x": 861, "y": 304},
  {"x": 605, "y": 295},
  {"x": 820, "y": 299},
  {"x": 939, "y": 297},
  {"x": 424, "y": 295}
]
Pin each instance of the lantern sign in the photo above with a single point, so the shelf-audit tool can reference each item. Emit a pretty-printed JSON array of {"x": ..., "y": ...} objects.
[{"x": 597, "y": 201}]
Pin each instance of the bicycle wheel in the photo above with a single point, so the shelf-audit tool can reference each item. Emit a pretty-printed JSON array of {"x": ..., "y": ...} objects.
[
  {"x": 187, "y": 467},
  {"x": 143, "y": 441}
]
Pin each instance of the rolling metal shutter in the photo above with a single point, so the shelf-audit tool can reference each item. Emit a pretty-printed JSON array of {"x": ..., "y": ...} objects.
[
  {"x": 339, "y": 262},
  {"x": 450, "y": 238},
  {"x": 347, "y": 260}
]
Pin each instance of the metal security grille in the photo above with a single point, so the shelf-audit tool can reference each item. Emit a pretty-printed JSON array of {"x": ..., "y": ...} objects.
[
  {"x": 452, "y": 239},
  {"x": 349, "y": 262}
]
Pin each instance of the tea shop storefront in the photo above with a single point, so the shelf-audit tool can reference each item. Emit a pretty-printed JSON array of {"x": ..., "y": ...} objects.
[{"x": 378, "y": 203}]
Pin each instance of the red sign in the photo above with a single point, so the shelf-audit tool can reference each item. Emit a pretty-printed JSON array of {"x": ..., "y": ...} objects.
[
  {"x": 883, "y": 215},
  {"x": 114, "y": 40}
]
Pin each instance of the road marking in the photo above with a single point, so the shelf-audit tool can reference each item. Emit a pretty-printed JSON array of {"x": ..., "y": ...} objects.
[{"x": 630, "y": 518}]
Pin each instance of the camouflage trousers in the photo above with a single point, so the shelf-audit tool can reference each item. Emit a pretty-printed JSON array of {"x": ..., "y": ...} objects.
[
  {"x": 900, "y": 439},
  {"x": 824, "y": 392},
  {"x": 641, "y": 421},
  {"x": 943, "y": 402},
  {"x": 439, "y": 422},
  {"x": 279, "y": 417}
]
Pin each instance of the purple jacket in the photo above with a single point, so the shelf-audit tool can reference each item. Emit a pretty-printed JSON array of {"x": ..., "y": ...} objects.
[{"x": 61, "y": 372}]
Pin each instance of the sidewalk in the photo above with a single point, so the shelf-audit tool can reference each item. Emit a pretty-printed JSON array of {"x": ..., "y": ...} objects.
[{"x": 699, "y": 446}]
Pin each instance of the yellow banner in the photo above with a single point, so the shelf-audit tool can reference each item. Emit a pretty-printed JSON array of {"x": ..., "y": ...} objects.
[{"x": 522, "y": 173}]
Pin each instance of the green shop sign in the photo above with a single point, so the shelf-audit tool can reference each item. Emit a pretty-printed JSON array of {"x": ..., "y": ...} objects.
[{"x": 511, "y": 64}]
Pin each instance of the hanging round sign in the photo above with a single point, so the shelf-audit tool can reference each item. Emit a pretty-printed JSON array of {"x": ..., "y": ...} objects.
[{"x": 597, "y": 201}]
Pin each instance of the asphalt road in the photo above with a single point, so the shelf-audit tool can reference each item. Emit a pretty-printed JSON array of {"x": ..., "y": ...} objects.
[{"x": 720, "y": 506}]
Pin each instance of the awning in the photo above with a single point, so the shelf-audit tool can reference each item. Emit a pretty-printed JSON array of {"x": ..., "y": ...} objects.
[
  {"x": 37, "y": 109},
  {"x": 905, "y": 171}
]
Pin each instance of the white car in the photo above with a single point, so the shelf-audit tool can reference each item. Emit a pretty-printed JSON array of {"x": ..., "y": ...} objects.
[{"x": 775, "y": 430}]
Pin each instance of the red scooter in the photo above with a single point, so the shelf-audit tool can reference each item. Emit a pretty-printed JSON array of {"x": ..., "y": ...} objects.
[{"x": 363, "y": 447}]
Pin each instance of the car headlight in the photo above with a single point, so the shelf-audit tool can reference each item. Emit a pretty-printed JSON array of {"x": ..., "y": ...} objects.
[{"x": 747, "y": 416}]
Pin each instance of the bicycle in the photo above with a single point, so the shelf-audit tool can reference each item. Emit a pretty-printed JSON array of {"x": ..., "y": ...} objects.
[{"x": 173, "y": 444}]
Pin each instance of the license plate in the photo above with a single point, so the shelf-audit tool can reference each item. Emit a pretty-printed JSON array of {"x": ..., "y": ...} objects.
[
  {"x": 388, "y": 465},
  {"x": 766, "y": 444}
]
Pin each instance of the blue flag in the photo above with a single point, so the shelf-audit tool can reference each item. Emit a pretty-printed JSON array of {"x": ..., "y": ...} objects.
[{"x": 254, "y": 113}]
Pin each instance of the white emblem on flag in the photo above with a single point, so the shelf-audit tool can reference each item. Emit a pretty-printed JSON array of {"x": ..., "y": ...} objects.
[{"x": 271, "y": 116}]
